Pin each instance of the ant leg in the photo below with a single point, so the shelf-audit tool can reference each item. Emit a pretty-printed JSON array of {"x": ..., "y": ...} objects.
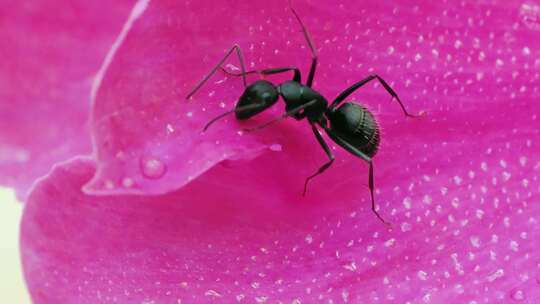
[
  {"x": 287, "y": 114},
  {"x": 362, "y": 82},
  {"x": 311, "y": 47},
  {"x": 235, "y": 110},
  {"x": 296, "y": 77},
  {"x": 363, "y": 156},
  {"x": 328, "y": 152},
  {"x": 240, "y": 58}
]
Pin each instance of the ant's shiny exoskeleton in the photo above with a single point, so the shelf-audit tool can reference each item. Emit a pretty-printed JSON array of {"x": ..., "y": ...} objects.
[{"x": 348, "y": 124}]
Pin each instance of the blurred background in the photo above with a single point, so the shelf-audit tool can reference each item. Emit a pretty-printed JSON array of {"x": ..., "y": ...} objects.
[{"x": 12, "y": 289}]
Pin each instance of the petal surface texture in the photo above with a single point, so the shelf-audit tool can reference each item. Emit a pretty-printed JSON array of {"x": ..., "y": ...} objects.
[{"x": 227, "y": 221}]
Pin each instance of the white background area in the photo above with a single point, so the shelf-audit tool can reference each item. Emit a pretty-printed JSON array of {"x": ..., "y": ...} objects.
[{"x": 12, "y": 288}]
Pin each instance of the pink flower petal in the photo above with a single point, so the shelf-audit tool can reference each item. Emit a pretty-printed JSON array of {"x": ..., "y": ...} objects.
[
  {"x": 213, "y": 241},
  {"x": 459, "y": 185},
  {"x": 49, "y": 56}
]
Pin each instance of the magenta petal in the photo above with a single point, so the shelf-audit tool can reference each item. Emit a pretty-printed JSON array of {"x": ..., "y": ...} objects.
[
  {"x": 459, "y": 185},
  {"x": 50, "y": 54},
  {"x": 472, "y": 239}
]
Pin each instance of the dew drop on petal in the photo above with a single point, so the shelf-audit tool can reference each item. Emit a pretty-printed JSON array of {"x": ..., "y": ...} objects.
[
  {"x": 152, "y": 167},
  {"x": 212, "y": 293},
  {"x": 459, "y": 289},
  {"x": 406, "y": 227},
  {"x": 517, "y": 295},
  {"x": 127, "y": 182},
  {"x": 108, "y": 184},
  {"x": 276, "y": 147}
]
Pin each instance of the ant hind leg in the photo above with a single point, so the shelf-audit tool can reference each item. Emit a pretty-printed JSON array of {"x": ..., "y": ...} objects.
[
  {"x": 341, "y": 97},
  {"x": 367, "y": 159},
  {"x": 328, "y": 152}
]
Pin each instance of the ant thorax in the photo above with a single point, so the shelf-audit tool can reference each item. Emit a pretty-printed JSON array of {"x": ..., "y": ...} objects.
[{"x": 296, "y": 95}]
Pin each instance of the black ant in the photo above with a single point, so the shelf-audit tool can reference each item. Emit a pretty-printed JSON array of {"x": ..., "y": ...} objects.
[{"x": 351, "y": 126}]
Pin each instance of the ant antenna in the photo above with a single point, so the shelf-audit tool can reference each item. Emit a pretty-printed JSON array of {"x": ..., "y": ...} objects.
[{"x": 310, "y": 44}]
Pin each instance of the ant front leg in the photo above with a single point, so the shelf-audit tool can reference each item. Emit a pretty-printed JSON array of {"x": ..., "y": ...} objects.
[
  {"x": 362, "y": 82},
  {"x": 363, "y": 156},
  {"x": 326, "y": 150},
  {"x": 240, "y": 58},
  {"x": 297, "y": 75}
]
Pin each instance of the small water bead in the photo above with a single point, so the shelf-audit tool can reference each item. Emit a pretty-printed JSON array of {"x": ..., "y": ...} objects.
[
  {"x": 495, "y": 275},
  {"x": 275, "y": 147},
  {"x": 406, "y": 227},
  {"x": 407, "y": 202},
  {"x": 459, "y": 289},
  {"x": 212, "y": 293},
  {"x": 152, "y": 167},
  {"x": 108, "y": 184},
  {"x": 170, "y": 129},
  {"x": 517, "y": 295},
  {"x": 127, "y": 182}
]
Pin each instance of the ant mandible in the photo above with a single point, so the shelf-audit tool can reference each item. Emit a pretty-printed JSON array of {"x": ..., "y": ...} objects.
[{"x": 351, "y": 126}]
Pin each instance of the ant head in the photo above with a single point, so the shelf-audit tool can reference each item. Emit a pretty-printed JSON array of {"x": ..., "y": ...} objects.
[{"x": 257, "y": 97}]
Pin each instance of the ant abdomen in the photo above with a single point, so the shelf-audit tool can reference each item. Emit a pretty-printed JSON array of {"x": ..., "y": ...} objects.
[{"x": 357, "y": 126}]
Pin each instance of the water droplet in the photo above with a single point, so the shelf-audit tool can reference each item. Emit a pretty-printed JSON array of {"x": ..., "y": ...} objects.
[
  {"x": 127, "y": 182},
  {"x": 459, "y": 289},
  {"x": 407, "y": 203},
  {"x": 276, "y": 147},
  {"x": 517, "y": 295},
  {"x": 170, "y": 129},
  {"x": 351, "y": 266},
  {"x": 406, "y": 227},
  {"x": 108, "y": 184},
  {"x": 152, "y": 167},
  {"x": 475, "y": 241},
  {"x": 212, "y": 293}
]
